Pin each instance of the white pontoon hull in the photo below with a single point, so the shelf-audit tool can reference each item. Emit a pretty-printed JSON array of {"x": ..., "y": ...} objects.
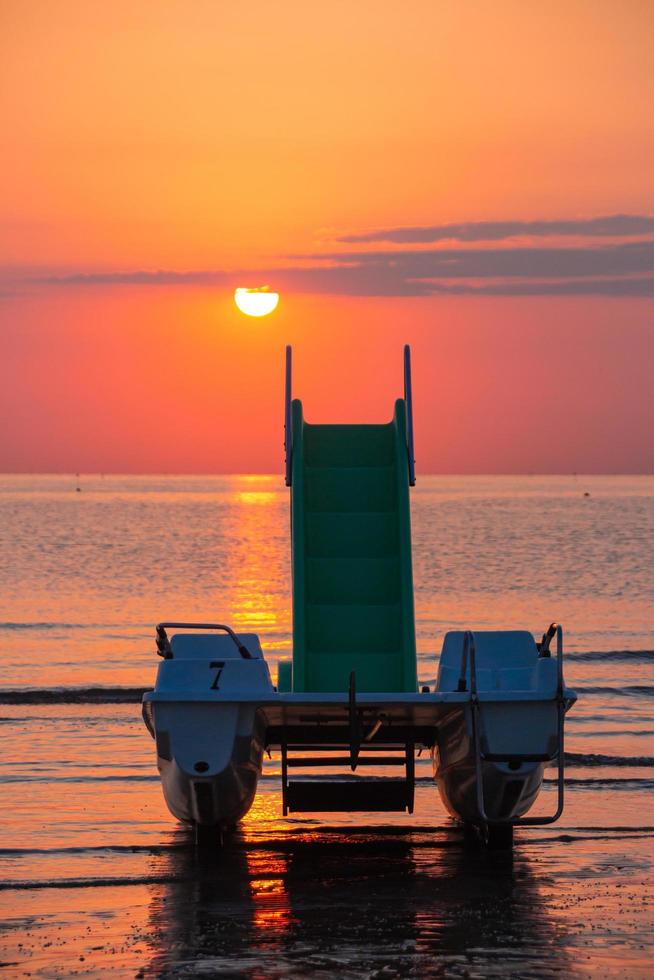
[
  {"x": 209, "y": 757},
  {"x": 213, "y": 719},
  {"x": 509, "y": 788}
]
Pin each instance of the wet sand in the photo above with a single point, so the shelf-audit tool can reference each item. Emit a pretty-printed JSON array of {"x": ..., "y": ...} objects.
[{"x": 293, "y": 898}]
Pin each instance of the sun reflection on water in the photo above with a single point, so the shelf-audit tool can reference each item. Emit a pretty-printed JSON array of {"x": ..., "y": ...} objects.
[
  {"x": 271, "y": 912},
  {"x": 256, "y": 497}
]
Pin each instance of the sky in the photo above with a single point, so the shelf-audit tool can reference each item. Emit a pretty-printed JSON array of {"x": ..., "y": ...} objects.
[{"x": 472, "y": 178}]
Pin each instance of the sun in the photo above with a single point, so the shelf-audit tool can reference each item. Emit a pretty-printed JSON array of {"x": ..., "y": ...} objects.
[{"x": 255, "y": 302}]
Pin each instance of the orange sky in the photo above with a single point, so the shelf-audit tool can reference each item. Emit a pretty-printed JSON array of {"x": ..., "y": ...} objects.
[{"x": 198, "y": 146}]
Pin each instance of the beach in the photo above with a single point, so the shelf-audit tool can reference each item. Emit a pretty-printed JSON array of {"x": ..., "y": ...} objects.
[{"x": 97, "y": 877}]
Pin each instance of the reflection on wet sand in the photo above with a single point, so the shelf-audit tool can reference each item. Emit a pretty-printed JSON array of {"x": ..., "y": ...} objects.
[{"x": 327, "y": 903}]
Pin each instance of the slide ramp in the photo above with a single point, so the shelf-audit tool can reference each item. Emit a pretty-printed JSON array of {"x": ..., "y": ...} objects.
[{"x": 351, "y": 554}]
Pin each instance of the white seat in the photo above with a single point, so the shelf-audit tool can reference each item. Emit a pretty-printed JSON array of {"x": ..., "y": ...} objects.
[
  {"x": 205, "y": 646},
  {"x": 506, "y": 660}
]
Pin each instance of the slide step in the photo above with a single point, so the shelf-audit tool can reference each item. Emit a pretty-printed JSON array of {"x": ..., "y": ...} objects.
[
  {"x": 336, "y": 747},
  {"x": 342, "y": 490},
  {"x": 334, "y": 760},
  {"x": 352, "y": 534},
  {"x": 348, "y": 795},
  {"x": 349, "y": 445}
]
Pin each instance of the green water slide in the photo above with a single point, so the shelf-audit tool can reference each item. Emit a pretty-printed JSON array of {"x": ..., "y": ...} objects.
[{"x": 351, "y": 550}]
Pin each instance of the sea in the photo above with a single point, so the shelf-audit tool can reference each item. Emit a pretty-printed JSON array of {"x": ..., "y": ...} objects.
[{"x": 98, "y": 879}]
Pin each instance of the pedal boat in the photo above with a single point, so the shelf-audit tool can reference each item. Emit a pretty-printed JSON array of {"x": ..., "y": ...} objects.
[{"x": 349, "y": 698}]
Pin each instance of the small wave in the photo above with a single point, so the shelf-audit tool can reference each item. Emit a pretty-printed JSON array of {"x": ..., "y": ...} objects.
[
  {"x": 566, "y": 838},
  {"x": 579, "y": 720},
  {"x": 133, "y": 695},
  {"x": 23, "y": 885},
  {"x": 608, "y": 782},
  {"x": 617, "y": 829},
  {"x": 626, "y": 690},
  {"x": 628, "y": 656},
  {"x": 117, "y": 720},
  {"x": 127, "y": 778},
  {"x": 75, "y": 695},
  {"x": 643, "y": 783},
  {"x": 100, "y": 849},
  {"x": 51, "y": 626},
  {"x": 611, "y": 732},
  {"x": 597, "y": 759}
]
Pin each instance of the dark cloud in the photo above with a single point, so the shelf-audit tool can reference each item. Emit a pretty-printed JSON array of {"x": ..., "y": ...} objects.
[
  {"x": 625, "y": 269},
  {"x": 610, "y": 226},
  {"x": 637, "y": 286},
  {"x": 631, "y": 258},
  {"x": 380, "y": 281},
  {"x": 160, "y": 277}
]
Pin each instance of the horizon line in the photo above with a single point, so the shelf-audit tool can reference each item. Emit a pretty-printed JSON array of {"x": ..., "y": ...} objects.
[{"x": 280, "y": 474}]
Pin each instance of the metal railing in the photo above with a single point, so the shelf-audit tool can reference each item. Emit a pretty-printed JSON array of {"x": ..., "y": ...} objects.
[
  {"x": 164, "y": 648},
  {"x": 408, "y": 398},
  {"x": 288, "y": 426},
  {"x": 288, "y": 423},
  {"x": 469, "y": 651}
]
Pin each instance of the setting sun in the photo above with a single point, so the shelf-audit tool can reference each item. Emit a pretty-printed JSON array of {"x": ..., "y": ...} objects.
[{"x": 255, "y": 302}]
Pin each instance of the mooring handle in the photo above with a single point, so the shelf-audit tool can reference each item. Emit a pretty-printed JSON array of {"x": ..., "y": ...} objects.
[{"x": 164, "y": 648}]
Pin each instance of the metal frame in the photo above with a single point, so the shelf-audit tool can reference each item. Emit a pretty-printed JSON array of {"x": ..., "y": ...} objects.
[
  {"x": 481, "y": 757},
  {"x": 165, "y": 650},
  {"x": 288, "y": 425},
  {"x": 357, "y": 742},
  {"x": 284, "y": 750},
  {"x": 288, "y": 422},
  {"x": 408, "y": 398}
]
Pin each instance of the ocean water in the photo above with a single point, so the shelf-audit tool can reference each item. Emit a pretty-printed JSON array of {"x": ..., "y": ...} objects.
[{"x": 97, "y": 877}]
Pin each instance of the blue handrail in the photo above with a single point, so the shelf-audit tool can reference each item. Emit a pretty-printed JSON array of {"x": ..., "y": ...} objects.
[
  {"x": 288, "y": 431},
  {"x": 409, "y": 414},
  {"x": 288, "y": 434}
]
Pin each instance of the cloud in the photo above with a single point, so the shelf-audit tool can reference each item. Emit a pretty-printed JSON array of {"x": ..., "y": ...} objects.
[
  {"x": 637, "y": 286},
  {"x": 159, "y": 277},
  {"x": 610, "y": 226},
  {"x": 616, "y": 269},
  {"x": 379, "y": 281},
  {"x": 631, "y": 258}
]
